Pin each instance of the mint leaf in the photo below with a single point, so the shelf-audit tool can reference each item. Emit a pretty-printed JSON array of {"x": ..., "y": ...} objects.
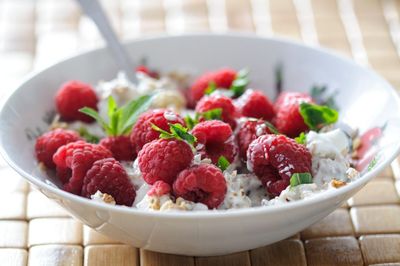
[
  {"x": 211, "y": 88},
  {"x": 213, "y": 114},
  {"x": 177, "y": 132},
  {"x": 301, "y": 139},
  {"x": 192, "y": 121},
  {"x": 300, "y": 178},
  {"x": 163, "y": 134},
  {"x": 182, "y": 133},
  {"x": 93, "y": 113},
  {"x": 272, "y": 128},
  {"x": 240, "y": 82},
  {"x": 222, "y": 163},
  {"x": 372, "y": 164},
  {"x": 84, "y": 133},
  {"x": 120, "y": 120},
  {"x": 131, "y": 111},
  {"x": 317, "y": 116}
]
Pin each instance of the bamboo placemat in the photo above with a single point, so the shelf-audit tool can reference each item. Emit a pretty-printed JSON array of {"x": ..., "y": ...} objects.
[{"x": 33, "y": 34}]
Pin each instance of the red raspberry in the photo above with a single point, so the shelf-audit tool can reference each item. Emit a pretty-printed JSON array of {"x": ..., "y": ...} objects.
[
  {"x": 75, "y": 159},
  {"x": 120, "y": 147},
  {"x": 216, "y": 138},
  {"x": 277, "y": 157},
  {"x": 217, "y": 101},
  {"x": 159, "y": 188},
  {"x": 147, "y": 71},
  {"x": 73, "y": 96},
  {"x": 109, "y": 176},
  {"x": 222, "y": 78},
  {"x": 273, "y": 184},
  {"x": 288, "y": 119},
  {"x": 249, "y": 131},
  {"x": 163, "y": 159},
  {"x": 142, "y": 131},
  {"x": 203, "y": 183},
  {"x": 255, "y": 104},
  {"x": 48, "y": 143}
]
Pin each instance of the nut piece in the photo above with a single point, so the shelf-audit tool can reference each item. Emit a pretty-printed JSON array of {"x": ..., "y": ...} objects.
[
  {"x": 338, "y": 183},
  {"x": 107, "y": 198}
]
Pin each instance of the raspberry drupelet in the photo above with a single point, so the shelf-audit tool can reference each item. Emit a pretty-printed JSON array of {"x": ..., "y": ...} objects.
[
  {"x": 163, "y": 159},
  {"x": 109, "y": 176},
  {"x": 215, "y": 140},
  {"x": 202, "y": 183},
  {"x": 48, "y": 143},
  {"x": 74, "y": 160},
  {"x": 159, "y": 188},
  {"x": 73, "y": 96},
  {"x": 142, "y": 131}
]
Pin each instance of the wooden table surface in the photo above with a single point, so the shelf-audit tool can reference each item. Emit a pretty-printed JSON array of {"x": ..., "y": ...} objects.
[{"x": 34, "y": 34}]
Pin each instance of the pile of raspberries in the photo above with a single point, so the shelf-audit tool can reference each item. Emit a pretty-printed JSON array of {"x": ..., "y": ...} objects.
[{"x": 243, "y": 133}]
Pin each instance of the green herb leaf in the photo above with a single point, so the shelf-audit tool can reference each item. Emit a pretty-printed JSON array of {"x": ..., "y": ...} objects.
[
  {"x": 317, "y": 116},
  {"x": 301, "y": 139},
  {"x": 182, "y": 132},
  {"x": 300, "y": 178},
  {"x": 131, "y": 112},
  {"x": 240, "y": 83},
  {"x": 213, "y": 114},
  {"x": 211, "y": 88},
  {"x": 192, "y": 121},
  {"x": 84, "y": 133},
  {"x": 120, "y": 120},
  {"x": 272, "y": 128},
  {"x": 93, "y": 113},
  {"x": 177, "y": 131},
  {"x": 163, "y": 134},
  {"x": 372, "y": 164},
  {"x": 223, "y": 163}
]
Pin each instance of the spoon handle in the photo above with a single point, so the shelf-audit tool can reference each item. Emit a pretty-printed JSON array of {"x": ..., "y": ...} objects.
[{"x": 93, "y": 9}]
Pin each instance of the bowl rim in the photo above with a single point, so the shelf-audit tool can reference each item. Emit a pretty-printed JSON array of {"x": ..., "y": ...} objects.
[{"x": 209, "y": 214}]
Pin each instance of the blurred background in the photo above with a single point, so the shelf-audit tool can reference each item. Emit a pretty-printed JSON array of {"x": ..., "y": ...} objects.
[{"x": 36, "y": 33}]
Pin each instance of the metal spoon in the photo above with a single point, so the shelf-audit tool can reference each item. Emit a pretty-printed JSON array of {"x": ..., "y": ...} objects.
[{"x": 93, "y": 9}]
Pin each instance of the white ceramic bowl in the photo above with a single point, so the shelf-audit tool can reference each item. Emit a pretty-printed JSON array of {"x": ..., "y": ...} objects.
[{"x": 364, "y": 98}]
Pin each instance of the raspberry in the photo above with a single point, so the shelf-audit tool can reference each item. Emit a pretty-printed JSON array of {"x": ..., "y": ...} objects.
[
  {"x": 48, "y": 143},
  {"x": 249, "y": 131},
  {"x": 255, "y": 104},
  {"x": 159, "y": 188},
  {"x": 74, "y": 160},
  {"x": 222, "y": 78},
  {"x": 142, "y": 131},
  {"x": 218, "y": 101},
  {"x": 277, "y": 157},
  {"x": 288, "y": 119},
  {"x": 147, "y": 71},
  {"x": 163, "y": 159},
  {"x": 203, "y": 183},
  {"x": 216, "y": 140},
  {"x": 120, "y": 147},
  {"x": 109, "y": 176},
  {"x": 71, "y": 97}
]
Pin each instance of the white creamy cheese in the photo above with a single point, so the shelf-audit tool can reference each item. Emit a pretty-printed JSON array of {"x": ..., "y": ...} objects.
[{"x": 328, "y": 152}]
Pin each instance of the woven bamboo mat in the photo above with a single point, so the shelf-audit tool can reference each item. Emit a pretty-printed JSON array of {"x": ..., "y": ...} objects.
[{"x": 33, "y": 34}]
